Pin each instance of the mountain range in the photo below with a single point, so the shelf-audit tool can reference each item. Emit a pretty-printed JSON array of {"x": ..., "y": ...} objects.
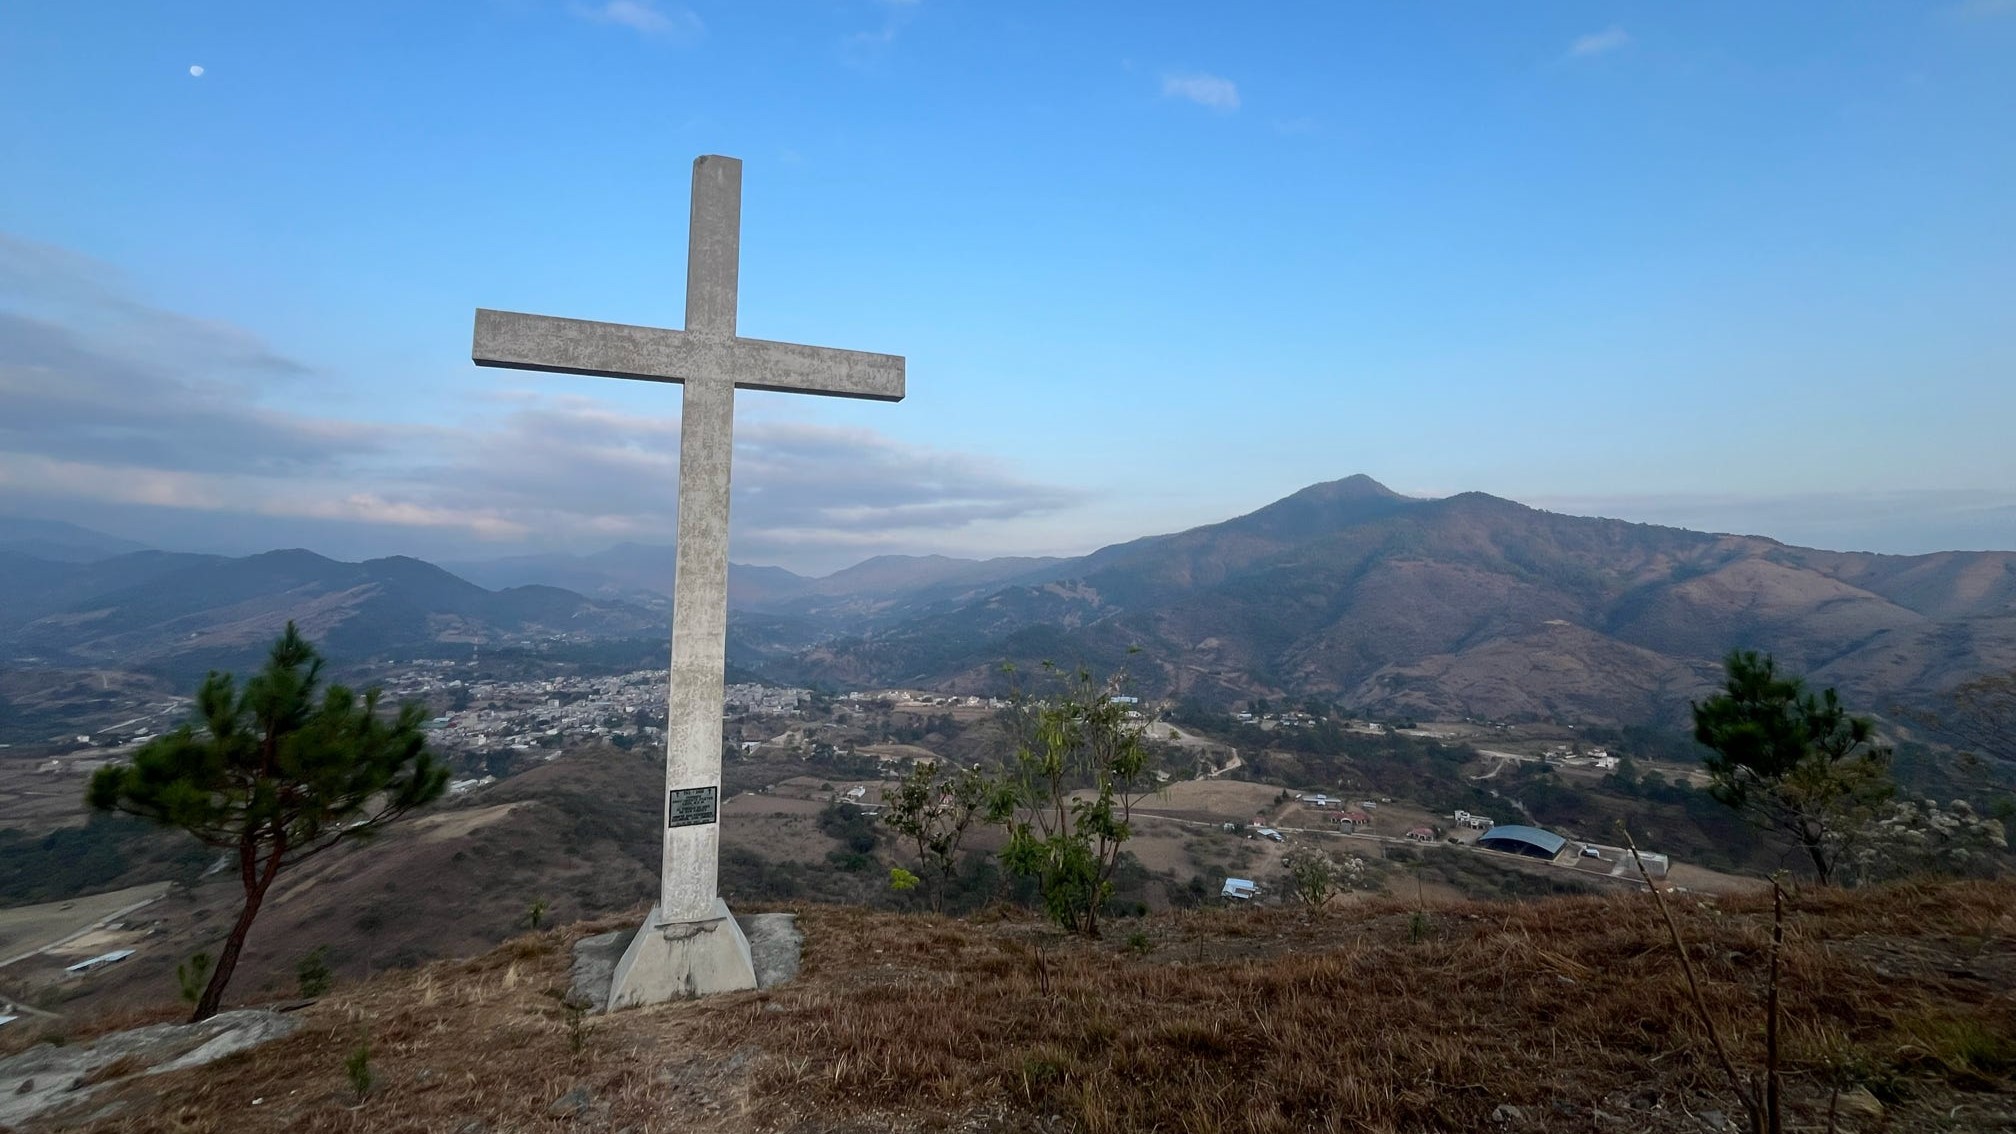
[
  {"x": 1468, "y": 605},
  {"x": 179, "y": 614}
]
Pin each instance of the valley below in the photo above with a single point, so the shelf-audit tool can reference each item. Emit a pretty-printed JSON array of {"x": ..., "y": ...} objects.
[{"x": 1405, "y": 687}]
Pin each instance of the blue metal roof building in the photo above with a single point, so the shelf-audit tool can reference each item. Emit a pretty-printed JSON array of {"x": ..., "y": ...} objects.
[{"x": 1516, "y": 839}]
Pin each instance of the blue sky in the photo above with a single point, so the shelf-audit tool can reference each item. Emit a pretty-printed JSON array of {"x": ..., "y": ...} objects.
[{"x": 1734, "y": 266}]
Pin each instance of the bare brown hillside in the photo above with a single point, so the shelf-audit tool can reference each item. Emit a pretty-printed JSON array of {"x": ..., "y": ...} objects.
[
  {"x": 1564, "y": 1015},
  {"x": 1468, "y": 606},
  {"x": 578, "y": 834}
]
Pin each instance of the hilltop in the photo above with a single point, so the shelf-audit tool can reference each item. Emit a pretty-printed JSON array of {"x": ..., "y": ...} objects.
[{"x": 1565, "y": 1014}]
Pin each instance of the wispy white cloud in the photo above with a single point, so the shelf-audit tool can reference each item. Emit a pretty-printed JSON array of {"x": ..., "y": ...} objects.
[
  {"x": 1984, "y": 9},
  {"x": 108, "y": 405},
  {"x": 868, "y": 48},
  {"x": 646, "y": 18},
  {"x": 1218, "y": 93},
  {"x": 1599, "y": 43}
]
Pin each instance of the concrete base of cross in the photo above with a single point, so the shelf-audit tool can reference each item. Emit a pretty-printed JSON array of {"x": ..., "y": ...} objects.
[{"x": 681, "y": 959}]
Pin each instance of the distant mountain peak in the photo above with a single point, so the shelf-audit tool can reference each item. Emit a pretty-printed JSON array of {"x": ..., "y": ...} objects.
[
  {"x": 60, "y": 542},
  {"x": 1320, "y": 509},
  {"x": 290, "y": 556},
  {"x": 1357, "y": 486}
]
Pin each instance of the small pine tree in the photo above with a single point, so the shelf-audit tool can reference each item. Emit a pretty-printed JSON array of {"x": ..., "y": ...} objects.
[
  {"x": 275, "y": 772},
  {"x": 313, "y": 974},
  {"x": 189, "y": 976},
  {"x": 357, "y": 1067},
  {"x": 1793, "y": 761}
]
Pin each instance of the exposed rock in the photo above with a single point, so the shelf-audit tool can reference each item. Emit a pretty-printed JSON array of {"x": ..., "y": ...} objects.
[
  {"x": 573, "y": 1104},
  {"x": 775, "y": 945},
  {"x": 251, "y": 1030},
  {"x": 595, "y": 968},
  {"x": 46, "y": 1077}
]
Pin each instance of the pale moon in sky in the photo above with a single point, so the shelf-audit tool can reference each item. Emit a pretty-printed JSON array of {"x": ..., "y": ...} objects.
[{"x": 196, "y": 71}]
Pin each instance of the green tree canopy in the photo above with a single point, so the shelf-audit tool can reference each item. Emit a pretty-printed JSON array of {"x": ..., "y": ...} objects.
[
  {"x": 1796, "y": 762},
  {"x": 275, "y": 773},
  {"x": 932, "y": 810},
  {"x": 1068, "y": 795}
]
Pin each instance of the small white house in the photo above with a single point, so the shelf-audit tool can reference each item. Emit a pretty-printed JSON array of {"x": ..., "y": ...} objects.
[{"x": 1240, "y": 889}]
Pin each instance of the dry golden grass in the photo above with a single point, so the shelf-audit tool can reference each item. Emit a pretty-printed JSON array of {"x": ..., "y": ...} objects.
[
  {"x": 1275, "y": 1020},
  {"x": 33, "y": 1030},
  {"x": 487, "y": 1041},
  {"x": 1571, "y": 1011}
]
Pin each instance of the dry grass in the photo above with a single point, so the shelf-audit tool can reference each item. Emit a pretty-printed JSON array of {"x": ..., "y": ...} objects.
[
  {"x": 487, "y": 1041},
  {"x": 28, "y": 1032},
  {"x": 1571, "y": 1011},
  {"x": 1274, "y": 1020}
]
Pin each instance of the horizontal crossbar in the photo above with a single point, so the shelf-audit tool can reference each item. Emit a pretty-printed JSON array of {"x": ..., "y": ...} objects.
[{"x": 655, "y": 354}]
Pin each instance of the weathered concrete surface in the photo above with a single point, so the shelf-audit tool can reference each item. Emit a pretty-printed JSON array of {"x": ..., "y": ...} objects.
[
  {"x": 672, "y": 960},
  {"x": 690, "y": 866},
  {"x": 696, "y": 947},
  {"x": 775, "y": 946},
  {"x": 47, "y": 1077},
  {"x": 657, "y": 354}
]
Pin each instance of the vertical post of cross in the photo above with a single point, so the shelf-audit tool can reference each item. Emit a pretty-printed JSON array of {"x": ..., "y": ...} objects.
[{"x": 700, "y": 571}]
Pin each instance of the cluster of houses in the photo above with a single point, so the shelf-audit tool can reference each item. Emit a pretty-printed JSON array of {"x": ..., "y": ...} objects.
[
  {"x": 531, "y": 714},
  {"x": 1271, "y": 720},
  {"x": 922, "y": 699},
  {"x": 1602, "y": 759},
  {"x": 1350, "y": 816}
]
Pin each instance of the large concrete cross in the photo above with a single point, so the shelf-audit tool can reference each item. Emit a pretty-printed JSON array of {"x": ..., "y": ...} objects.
[{"x": 711, "y": 361}]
